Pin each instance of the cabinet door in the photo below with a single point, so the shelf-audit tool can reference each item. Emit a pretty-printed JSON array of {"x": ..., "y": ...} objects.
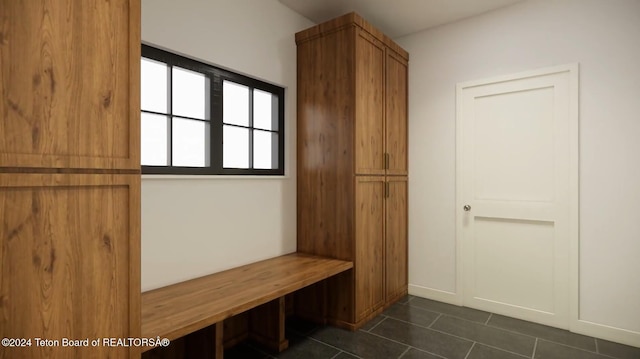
[
  {"x": 396, "y": 114},
  {"x": 396, "y": 238},
  {"x": 368, "y": 265},
  {"x": 69, "y": 84},
  {"x": 69, "y": 263},
  {"x": 369, "y": 105}
]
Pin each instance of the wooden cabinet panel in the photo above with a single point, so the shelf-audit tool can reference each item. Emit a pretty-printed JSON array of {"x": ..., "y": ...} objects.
[
  {"x": 69, "y": 84},
  {"x": 396, "y": 238},
  {"x": 396, "y": 114},
  {"x": 69, "y": 262},
  {"x": 352, "y": 132},
  {"x": 369, "y": 130},
  {"x": 369, "y": 271},
  {"x": 325, "y": 145}
]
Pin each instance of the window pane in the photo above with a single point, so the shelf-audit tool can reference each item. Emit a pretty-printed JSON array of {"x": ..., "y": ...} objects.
[
  {"x": 235, "y": 103},
  {"x": 235, "y": 147},
  {"x": 153, "y": 86},
  {"x": 189, "y": 143},
  {"x": 153, "y": 140},
  {"x": 265, "y": 105},
  {"x": 189, "y": 95},
  {"x": 265, "y": 150}
]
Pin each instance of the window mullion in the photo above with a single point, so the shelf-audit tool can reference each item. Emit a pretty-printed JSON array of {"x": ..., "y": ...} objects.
[
  {"x": 250, "y": 128},
  {"x": 170, "y": 114},
  {"x": 208, "y": 103},
  {"x": 217, "y": 124}
]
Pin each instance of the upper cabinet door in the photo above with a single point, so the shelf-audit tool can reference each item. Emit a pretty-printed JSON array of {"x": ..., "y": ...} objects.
[
  {"x": 70, "y": 84},
  {"x": 396, "y": 114},
  {"x": 369, "y": 102}
]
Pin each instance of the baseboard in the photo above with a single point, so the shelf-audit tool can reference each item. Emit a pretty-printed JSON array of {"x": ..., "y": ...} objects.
[
  {"x": 606, "y": 332},
  {"x": 435, "y": 294}
]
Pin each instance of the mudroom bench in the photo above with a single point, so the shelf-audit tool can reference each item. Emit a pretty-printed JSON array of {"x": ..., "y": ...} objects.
[{"x": 198, "y": 308}]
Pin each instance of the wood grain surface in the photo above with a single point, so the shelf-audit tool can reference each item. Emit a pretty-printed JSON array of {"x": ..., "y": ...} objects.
[
  {"x": 70, "y": 84},
  {"x": 352, "y": 139},
  {"x": 369, "y": 265},
  {"x": 347, "y": 20},
  {"x": 370, "y": 115},
  {"x": 396, "y": 249},
  {"x": 325, "y": 139},
  {"x": 185, "y": 307},
  {"x": 68, "y": 267},
  {"x": 396, "y": 107}
]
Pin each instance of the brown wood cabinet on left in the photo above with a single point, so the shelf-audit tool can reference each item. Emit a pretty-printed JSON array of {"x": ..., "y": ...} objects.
[{"x": 69, "y": 176}]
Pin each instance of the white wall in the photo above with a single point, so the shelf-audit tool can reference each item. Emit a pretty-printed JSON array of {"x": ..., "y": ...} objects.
[
  {"x": 604, "y": 37},
  {"x": 192, "y": 227}
]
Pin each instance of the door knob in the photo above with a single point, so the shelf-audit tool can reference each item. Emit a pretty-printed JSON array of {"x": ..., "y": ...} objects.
[{"x": 467, "y": 208}]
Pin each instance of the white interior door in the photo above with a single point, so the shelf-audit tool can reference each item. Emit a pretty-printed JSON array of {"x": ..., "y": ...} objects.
[{"x": 517, "y": 179}]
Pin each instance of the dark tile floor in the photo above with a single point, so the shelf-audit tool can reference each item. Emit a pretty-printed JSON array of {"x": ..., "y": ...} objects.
[{"x": 417, "y": 328}]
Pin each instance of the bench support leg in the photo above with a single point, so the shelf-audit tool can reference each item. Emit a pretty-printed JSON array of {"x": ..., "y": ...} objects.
[{"x": 266, "y": 325}]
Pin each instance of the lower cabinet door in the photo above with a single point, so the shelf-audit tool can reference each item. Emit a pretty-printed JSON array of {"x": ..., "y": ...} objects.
[
  {"x": 369, "y": 257},
  {"x": 396, "y": 238},
  {"x": 69, "y": 265}
]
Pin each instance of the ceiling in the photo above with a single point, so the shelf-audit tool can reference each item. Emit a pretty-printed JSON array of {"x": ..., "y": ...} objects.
[{"x": 396, "y": 18}]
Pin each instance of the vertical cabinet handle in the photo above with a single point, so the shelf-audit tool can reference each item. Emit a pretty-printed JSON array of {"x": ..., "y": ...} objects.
[
  {"x": 386, "y": 160},
  {"x": 386, "y": 190}
]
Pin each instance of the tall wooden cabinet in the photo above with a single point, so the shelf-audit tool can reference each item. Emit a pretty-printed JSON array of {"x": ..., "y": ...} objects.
[
  {"x": 69, "y": 177},
  {"x": 352, "y": 163}
]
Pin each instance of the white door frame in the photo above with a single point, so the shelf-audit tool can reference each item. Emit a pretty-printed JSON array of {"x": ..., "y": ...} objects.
[{"x": 572, "y": 70}]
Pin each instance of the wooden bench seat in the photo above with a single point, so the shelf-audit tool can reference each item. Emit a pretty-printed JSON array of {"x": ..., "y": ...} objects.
[{"x": 179, "y": 309}]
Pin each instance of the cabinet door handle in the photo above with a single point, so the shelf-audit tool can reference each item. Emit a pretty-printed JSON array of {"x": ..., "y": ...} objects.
[
  {"x": 386, "y": 190},
  {"x": 386, "y": 160}
]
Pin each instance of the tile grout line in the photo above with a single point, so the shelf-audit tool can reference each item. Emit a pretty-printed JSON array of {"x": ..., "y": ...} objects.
[
  {"x": 408, "y": 345},
  {"x": 508, "y": 330},
  {"x": 546, "y": 339},
  {"x": 340, "y": 350},
  {"x": 470, "y": 349},
  {"x": 456, "y": 336},
  {"x": 424, "y": 309},
  {"x": 434, "y": 321},
  {"x": 423, "y": 327},
  {"x": 535, "y": 346},
  {"x": 581, "y": 349},
  {"x": 488, "y": 319},
  {"x": 410, "y": 299},
  {"x": 378, "y": 323},
  {"x": 501, "y": 349},
  {"x": 596, "y": 351},
  {"x": 404, "y": 352}
]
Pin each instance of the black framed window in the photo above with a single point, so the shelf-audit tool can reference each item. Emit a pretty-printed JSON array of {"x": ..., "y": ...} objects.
[{"x": 200, "y": 119}]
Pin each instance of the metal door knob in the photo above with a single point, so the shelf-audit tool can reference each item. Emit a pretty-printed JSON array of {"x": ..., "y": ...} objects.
[{"x": 467, "y": 207}]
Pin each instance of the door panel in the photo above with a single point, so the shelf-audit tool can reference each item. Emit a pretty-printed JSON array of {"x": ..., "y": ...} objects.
[
  {"x": 69, "y": 84},
  {"x": 514, "y": 159},
  {"x": 369, "y": 262},
  {"x": 519, "y": 246},
  {"x": 396, "y": 114},
  {"x": 68, "y": 266},
  {"x": 396, "y": 238},
  {"x": 370, "y": 55}
]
